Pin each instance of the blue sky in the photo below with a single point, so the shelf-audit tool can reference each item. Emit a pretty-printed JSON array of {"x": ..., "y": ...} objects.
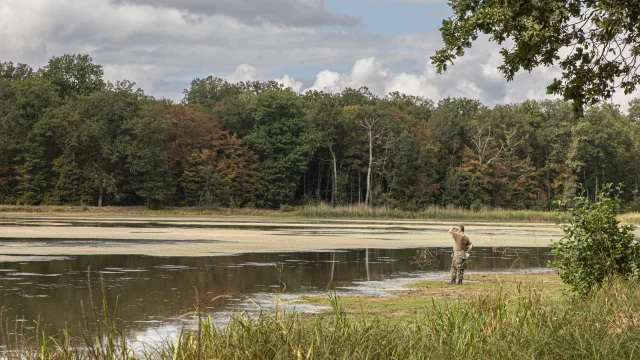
[
  {"x": 325, "y": 45},
  {"x": 387, "y": 17},
  {"x": 382, "y": 17}
]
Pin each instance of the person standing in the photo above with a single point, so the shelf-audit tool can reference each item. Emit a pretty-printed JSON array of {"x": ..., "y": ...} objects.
[{"x": 461, "y": 246}]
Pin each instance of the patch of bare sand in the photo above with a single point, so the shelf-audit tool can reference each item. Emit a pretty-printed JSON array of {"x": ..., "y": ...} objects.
[{"x": 229, "y": 235}]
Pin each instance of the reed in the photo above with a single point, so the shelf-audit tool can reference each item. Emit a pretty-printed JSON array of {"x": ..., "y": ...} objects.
[
  {"x": 630, "y": 218},
  {"x": 499, "y": 325},
  {"x": 430, "y": 213},
  {"x": 318, "y": 211}
]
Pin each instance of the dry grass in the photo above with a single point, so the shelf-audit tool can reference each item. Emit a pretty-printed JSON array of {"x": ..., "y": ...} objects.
[
  {"x": 630, "y": 218},
  {"x": 321, "y": 211}
]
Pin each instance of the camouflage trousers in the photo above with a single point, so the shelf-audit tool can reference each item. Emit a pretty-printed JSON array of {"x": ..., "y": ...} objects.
[{"x": 458, "y": 264}]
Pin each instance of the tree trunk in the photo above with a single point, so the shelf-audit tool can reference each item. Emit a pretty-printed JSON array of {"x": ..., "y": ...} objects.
[
  {"x": 100, "y": 196},
  {"x": 351, "y": 187},
  {"x": 319, "y": 181},
  {"x": 549, "y": 200},
  {"x": 586, "y": 185},
  {"x": 335, "y": 177},
  {"x": 596, "y": 196},
  {"x": 367, "y": 198},
  {"x": 359, "y": 189}
]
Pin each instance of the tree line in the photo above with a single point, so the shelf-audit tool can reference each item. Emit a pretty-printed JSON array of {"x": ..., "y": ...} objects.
[{"x": 69, "y": 137}]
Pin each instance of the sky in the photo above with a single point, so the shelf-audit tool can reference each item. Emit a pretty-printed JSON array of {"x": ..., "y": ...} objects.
[{"x": 327, "y": 45}]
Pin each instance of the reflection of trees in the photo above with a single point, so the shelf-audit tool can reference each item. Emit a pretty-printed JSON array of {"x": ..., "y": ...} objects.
[
  {"x": 333, "y": 267},
  {"x": 366, "y": 261},
  {"x": 165, "y": 293}
]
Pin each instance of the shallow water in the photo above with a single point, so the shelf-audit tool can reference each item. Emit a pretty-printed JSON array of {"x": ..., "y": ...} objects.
[
  {"x": 22, "y": 237},
  {"x": 153, "y": 292}
]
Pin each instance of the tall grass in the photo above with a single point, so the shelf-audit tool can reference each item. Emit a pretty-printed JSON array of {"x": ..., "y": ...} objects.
[
  {"x": 319, "y": 211},
  {"x": 430, "y": 213},
  {"x": 316, "y": 211},
  {"x": 526, "y": 325},
  {"x": 630, "y": 218}
]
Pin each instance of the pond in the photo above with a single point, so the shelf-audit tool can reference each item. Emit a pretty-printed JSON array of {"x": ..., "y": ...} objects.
[{"x": 152, "y": 293}]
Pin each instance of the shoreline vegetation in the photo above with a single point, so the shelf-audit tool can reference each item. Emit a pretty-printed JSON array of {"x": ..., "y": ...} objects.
[
  {"x": 321, "y": 211},
  {"x": 492, "y": 316},
  {"x": 68, "y": 136}
]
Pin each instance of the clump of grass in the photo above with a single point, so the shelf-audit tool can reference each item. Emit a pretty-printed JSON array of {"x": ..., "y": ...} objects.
[
  {"x": 630, "y": 218},
  {"x": 526, "y": 325}
]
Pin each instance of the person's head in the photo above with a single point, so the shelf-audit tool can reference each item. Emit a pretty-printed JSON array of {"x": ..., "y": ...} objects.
[{"x": 461, "y": 228}]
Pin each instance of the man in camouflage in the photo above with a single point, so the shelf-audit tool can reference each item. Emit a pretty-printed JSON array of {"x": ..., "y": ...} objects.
[{"x": 461, "y": 246}]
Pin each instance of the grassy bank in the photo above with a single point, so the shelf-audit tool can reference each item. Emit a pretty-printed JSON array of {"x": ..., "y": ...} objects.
[
  {"x": 308, "y": 211},
  {"x": 498, "y": 317},
  {"x": 405, "y": 304}
]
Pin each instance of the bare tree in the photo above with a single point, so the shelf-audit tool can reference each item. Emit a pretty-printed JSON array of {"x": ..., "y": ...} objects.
[
  {"x": 377, "y": 126},
  {"x": 334, "y": 161},
  {"x": 490, "y": 149},
  {"x": 484, "y": 144}
]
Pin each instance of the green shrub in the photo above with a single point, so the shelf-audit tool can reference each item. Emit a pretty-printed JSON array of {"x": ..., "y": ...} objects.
[{"x": 595, "y": 247}]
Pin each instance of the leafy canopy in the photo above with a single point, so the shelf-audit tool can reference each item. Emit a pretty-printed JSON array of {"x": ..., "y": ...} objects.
[{"x": 595, "y": 43}]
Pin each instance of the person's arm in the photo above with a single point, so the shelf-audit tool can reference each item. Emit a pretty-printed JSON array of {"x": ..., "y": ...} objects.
[
  {"x": 470, "y": 247},
  {"x": 451, "y": 230}
]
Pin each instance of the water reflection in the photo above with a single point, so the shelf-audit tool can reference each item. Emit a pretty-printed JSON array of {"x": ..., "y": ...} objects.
[{"x": 154, "y": 290}]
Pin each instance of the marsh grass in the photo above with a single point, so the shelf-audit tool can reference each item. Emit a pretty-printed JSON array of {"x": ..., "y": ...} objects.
[
  {"x": 320, "y": 211},
  {"x": 317, "y": 211},
  {"x": 630, "y": 218},
  {"x": 521, "y": 323}
]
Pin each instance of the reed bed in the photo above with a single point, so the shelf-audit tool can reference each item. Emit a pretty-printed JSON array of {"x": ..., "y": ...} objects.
[
  {"x": 630, "y": 218},
  {"x": 317, "y": 211},
  {"x": 527, "y": 325},
  {"x": 430, "y": 213}
]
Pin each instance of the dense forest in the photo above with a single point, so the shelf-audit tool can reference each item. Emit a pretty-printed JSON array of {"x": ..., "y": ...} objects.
[{"x": 69, "y": 137}]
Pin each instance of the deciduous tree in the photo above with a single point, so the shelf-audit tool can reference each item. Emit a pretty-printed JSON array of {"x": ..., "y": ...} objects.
[{"x": 595, "y": 43}]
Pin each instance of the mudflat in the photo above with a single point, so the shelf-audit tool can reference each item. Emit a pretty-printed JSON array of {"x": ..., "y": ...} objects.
[{"x": 38, "y": 235}]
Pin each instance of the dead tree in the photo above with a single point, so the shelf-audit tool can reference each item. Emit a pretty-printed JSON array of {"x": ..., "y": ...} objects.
[{"x": 376, "y": 126}]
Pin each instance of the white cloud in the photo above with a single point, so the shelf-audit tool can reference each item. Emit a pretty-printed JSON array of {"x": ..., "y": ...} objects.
[
  {"x": 156, "y": 46},
  {"x": 380, "y": 79},
  {"x": 290, "y": 82},
  {"x": 282, "y": 12},
  {"x": 473, "y": 76},
  {"x": 163, "y": 45},
  {"x": 244, "y": 72}
]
